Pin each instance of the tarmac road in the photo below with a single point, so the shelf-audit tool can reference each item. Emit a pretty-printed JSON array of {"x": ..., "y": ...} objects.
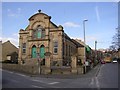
[{"x": 102, "y": 76}]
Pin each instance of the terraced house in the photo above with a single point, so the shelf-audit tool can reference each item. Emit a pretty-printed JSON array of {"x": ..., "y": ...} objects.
[{"x": 46, "y": 42}]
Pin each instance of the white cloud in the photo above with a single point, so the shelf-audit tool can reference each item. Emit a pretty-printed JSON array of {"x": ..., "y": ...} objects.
[
  {"x": 14, "y": 39},
  {"x": 12, "y": 13},
  {"x": 97, "y": 13},
  {"x": 16, "y": 34},
  {"x": 71, "y": 24}
]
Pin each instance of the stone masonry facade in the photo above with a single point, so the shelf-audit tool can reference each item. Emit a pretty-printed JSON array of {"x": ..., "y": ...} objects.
[{"x": 46, "y": 42}]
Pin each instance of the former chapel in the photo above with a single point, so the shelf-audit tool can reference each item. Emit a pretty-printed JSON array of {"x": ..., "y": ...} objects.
[{"x": 42, "y": 36}]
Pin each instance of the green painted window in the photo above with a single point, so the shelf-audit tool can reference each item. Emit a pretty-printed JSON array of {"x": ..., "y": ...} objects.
[
  {"x": 39, "y": 33},
  {"x": 42, "y": 52},
  {"x": 34, "y": 52}
]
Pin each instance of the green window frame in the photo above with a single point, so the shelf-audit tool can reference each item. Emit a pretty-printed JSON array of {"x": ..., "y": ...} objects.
[{"x": 39, "y": 32}]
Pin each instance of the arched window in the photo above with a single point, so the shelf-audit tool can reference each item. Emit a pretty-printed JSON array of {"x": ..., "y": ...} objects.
[
  {"x": 34, "y": 51},
  {"x": 39, "y": 32}
]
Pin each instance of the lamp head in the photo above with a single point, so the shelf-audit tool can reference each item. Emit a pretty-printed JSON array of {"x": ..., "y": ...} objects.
[{"x": 85, "y": 20}]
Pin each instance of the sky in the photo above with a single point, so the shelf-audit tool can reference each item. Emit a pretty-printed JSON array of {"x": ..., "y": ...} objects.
[{"x": 102, "y": 19}]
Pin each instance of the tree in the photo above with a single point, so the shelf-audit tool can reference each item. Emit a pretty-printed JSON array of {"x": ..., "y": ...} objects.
[{"x": 116, "y": 41}]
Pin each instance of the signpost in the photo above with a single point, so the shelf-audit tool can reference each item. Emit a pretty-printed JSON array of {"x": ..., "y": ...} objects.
[{"x": 39, "y": 62}]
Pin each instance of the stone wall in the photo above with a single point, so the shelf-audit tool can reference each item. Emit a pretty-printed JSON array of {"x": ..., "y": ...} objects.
[
  {"x": 34, "y": 70},
  {"x": 21, "y": 68},
  {"x": 81, "y": 54}
]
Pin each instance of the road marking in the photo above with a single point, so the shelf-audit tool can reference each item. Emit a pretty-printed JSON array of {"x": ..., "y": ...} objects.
[
  {"x": 36, "y": 86},
  {"x": 92, "y": 81},
  {"x": 98, "y": 70},
  {"x": 45, "y": 82},
  {"x": 38, "y": 81},
  {"x": 15, "y": 73},
  {"x": 53, "y": 83},
  {"x": 21, "y": 74},
  {"x": 97, "y": 83}
]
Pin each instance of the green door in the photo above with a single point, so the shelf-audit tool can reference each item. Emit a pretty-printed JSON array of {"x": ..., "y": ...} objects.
[
  {"x": 42, "y": 52},
  {"x": 34, "y": 52}
]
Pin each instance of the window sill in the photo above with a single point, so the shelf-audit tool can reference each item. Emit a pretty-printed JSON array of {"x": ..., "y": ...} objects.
[{"x": 55, "y": 53}]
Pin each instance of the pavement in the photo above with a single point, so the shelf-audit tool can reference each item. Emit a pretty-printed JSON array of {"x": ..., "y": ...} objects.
[{"x": 91, "y": 73}]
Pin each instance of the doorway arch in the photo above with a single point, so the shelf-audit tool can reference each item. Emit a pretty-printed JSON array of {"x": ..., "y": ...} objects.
[
  {"x": 42, "y": 51},
  {"x": 34, "y": 51}
]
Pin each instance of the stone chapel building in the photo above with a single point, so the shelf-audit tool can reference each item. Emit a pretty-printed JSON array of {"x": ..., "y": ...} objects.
[{"x": 43, "y": 37}]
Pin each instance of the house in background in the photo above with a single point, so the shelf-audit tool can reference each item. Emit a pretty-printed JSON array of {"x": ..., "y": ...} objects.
[{"x": 9, "y": 52}]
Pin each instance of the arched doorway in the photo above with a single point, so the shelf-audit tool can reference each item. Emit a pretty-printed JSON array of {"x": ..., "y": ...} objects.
[
  {"x": 42, "y": 52},
  {"x": 34, "y": 51}
]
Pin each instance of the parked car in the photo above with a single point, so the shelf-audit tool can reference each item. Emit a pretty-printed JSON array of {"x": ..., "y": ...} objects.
[
  {"x": 114, "y": 60},
  {"x": 103, "y": 62},
  {"x": 118, "y": 60}
]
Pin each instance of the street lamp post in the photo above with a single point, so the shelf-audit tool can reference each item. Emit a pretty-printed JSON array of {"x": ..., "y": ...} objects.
[
  {"x": 84, "y": 29},
  {"x": 84, "y": 45},
  {"x": 95, "y": 51}
]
